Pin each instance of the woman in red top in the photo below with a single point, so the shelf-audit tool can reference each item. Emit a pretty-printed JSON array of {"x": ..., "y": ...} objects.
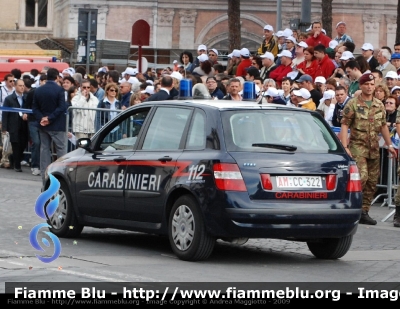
[{"x": 310, "y": 64}]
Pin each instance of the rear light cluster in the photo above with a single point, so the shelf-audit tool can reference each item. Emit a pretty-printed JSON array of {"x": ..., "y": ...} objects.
[
  {"x": 354, "y": 182},
  {"x": 228, "y": 177}
]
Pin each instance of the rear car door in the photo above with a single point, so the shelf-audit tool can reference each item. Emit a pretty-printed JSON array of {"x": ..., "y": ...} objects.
[{"x": 153, "y": 165}]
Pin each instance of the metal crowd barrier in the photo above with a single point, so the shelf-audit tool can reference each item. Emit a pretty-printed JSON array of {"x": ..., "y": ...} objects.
[
  {"x": 85, "y": 122},
  {"x": 105, "y": 115},
  {"x": 388, "y": 178}
]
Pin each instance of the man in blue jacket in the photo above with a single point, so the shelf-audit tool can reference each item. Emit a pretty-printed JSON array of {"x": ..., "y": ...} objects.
[{"x": 49, "y": 109}]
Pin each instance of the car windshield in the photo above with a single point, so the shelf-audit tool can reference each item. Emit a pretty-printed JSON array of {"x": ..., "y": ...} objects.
[{"x": 277, "y": 131}]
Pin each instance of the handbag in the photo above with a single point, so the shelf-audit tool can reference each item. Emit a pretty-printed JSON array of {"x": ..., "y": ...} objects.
[{"x": 7, "y": 148}]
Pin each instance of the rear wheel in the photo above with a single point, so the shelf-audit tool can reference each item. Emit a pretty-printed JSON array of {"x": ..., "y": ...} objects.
[
  {"x": 330, "y": 248},
  {"x": 187, "y": 232},
  {"x": 64, "y": 222}
]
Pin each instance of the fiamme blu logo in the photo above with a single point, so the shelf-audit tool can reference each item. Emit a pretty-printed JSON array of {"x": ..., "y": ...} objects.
[{"x": 45, "y": 206}]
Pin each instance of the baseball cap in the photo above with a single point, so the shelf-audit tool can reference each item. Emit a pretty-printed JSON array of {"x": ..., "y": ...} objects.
[
  {"x": 287, "y": 32},
  {"x": 130, "y": 71},
  {"x": 176, "y": 75},
  {"x": 302, "y": 92},
  {"x": 328, "y": 95},
  {"x": 323, "y": 30},
  {"x": 268, "y": 55},
  {"x": 279, "y": 34},
  {"x": 347, "y": 55},
  {"x": 269, "y": 28},
  {"x": 202, "y": 47},
  {"x": 236, "y": 53},
  {"x": 291, "y": 38},
  {"x": 394, "y": 88},
  {"x": 305, "y": 78},
  {"x": 245, "y": 52},
  {"x": 340, "y": 23},
  {"x": 396, "y": 56},
  {"x": 333, "y": 44},
  {"x": 102, "y": 69},
  {"x": 175, "y": 61},
  {"x": 70, "y": 71},
  {"x": 292, "y": 75},
  {"x": 367, "y": 46},
  {"x": 285, "y": 53},
  {"x": 271, "y": 92},
  {"x": 215, "y": 51},
  {"x": 149, "y": 90},
  {"x": 391, "y": 74},
  {"x": 202, "y": 57},
  {"x": 253, "y": 71},
  {"x": 320, "y": 79},
  {"x": 302, "y": 44}
]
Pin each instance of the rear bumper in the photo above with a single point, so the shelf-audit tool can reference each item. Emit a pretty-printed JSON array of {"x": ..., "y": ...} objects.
[{"x": 284, "y": 219}]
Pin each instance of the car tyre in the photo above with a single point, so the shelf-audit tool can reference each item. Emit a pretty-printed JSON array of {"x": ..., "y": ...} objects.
[
  {"x": 64, "y": 222},
  {"x": 187, "y": 232},
  {"x": 330, "y": 248}
]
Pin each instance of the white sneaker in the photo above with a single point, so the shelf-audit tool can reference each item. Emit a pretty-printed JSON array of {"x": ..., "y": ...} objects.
[
  {"x": 36, "y": 172},
  {"x": 24, "y": 163}
]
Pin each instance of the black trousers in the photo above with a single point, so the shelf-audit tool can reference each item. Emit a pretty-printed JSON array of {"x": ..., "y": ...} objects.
[{"x": 18, "y": 149}]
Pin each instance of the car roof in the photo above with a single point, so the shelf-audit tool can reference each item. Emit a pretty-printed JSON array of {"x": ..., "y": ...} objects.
[{"x": 224, "y": 104}]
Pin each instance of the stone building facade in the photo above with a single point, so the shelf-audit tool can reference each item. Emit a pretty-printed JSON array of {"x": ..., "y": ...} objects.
[{"x": 182, "y": 24}]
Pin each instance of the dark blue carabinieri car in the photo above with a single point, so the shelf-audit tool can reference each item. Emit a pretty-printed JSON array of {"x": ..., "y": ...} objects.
[{"x": 202, "y": 170}]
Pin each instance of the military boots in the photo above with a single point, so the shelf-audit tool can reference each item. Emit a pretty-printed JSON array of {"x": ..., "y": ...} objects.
[
  {"x": 396, "y": 219},
  {"x": 366, "y": 219}
]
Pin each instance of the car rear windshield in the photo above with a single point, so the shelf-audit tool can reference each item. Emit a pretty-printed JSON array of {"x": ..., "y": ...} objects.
[{"x": 277, "y": 131}]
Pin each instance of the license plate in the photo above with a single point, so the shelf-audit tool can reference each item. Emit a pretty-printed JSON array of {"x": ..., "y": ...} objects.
[{"x": 298, "y": 182}]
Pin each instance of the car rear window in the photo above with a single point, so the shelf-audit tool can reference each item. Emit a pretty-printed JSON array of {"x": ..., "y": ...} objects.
[{"x": 269, "y": 130}]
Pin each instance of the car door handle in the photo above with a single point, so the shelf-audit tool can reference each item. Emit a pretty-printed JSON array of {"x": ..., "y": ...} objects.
[
  {"x": 120, "y": 159},
  {"x": 164, "y": 159}
]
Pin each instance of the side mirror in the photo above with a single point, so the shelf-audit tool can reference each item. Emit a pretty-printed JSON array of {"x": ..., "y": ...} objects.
[{"x": 84, "y": 143}]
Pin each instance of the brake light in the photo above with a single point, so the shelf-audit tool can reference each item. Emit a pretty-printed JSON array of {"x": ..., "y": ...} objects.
[
  {"x": 354, "y": 182},
  {"x": 228, "y": 177},
  {"x": 266, "y": 181},
  {"x": 330, "y": 182}
]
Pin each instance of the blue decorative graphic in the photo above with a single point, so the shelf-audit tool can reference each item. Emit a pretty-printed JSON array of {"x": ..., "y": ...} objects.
[
  {"x": 47, "y": 195},
  {"x": 45, "y": 213}
]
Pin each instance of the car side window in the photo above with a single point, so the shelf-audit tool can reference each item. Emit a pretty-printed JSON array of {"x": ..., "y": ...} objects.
[
  {"x": 166, "y": 128},
  {"x": 123, "y": 134},
  {"x": 197, "y": 135}
]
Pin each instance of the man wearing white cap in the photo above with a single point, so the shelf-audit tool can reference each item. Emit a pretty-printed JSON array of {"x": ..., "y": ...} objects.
[
  {"x": 282, "y": 70},
  {"x": 304, "y": 99},
  {"x": 201, "y": 49},
  {"x": 130, "y": 76},
  {"x": 270, "y": 42},
  {"x": 233, "y": 62},
  {"x": 327, "y": 105},
  {"x": 213, "y": 56},
  {"x": 367, "y": 50},
  {"x": 391, "y": 79},
  {"x": 299, "y": 52},
  {"x": 341, "y": 33},
  {"x": 245, "y": 62},
  {"x": 268, "y": 65}
]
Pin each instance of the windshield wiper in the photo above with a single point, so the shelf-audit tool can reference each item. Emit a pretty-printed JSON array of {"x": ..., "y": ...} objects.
[{"x": 276, "y": 146}]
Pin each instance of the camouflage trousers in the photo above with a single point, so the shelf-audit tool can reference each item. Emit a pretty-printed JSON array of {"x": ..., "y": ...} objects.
[
  {"x": 397, "y": 195},
  {"x": 369, "y": 172}
]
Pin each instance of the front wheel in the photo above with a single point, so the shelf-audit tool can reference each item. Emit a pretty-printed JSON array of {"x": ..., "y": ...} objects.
[
  {"x": 64, "y": 222},
  {"x": 330, "y": 248},
  {"x": 187, "y": 231}
]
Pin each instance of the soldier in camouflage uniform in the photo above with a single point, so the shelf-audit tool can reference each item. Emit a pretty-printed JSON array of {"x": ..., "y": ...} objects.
[
  {"x": 365, "y": 116},
  {"x": 396, "y": 219}
]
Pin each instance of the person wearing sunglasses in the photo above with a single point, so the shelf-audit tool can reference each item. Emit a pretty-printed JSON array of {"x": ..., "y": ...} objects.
[
  {"x": 6, "y": 90},
  {"x": 110, "y": 102},
  {"x": 83, "y": 118}
]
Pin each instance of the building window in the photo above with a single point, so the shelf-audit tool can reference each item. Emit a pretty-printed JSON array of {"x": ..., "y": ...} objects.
[{"x": 36, "y": 13}]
